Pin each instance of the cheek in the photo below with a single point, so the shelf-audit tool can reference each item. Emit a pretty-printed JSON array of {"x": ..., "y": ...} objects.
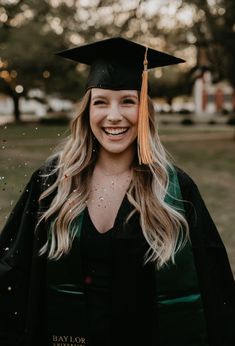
[
  {"x": 96, "y": 115},
  {"x": 95, "y": 118},
  {"x": 134, "y": 116}
]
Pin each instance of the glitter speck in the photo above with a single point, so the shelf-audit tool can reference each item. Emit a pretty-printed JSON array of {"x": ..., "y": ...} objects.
[{"x": 88, "y": 280}]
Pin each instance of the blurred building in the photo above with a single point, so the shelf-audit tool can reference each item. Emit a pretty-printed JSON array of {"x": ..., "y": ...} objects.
[
  {"x": 6, "y": 105},
  {"x": 210, "y": 97}
]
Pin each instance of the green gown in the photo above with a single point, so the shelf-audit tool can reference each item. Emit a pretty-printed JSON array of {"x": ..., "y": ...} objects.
[{"x": 177, "y": 317}]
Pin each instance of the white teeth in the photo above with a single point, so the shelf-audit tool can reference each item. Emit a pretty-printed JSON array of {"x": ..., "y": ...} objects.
[{"x": 115, "y": 131}]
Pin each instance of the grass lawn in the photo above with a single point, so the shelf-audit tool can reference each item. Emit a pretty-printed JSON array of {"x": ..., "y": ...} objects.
[{"x": 211, "y": 163}]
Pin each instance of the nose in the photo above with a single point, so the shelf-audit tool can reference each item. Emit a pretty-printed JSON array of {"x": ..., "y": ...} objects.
[{"x": 114, "y": 114}]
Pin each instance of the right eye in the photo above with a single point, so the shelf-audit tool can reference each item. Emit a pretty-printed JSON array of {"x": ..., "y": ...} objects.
[{"x": 98, "y": 102}]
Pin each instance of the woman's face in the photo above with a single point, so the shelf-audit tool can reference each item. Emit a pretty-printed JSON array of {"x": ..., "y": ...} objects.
[{"x": 114, "y": 118}]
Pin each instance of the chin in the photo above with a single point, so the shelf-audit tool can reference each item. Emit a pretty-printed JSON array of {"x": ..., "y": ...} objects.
[{"x": 118, "y": 149}]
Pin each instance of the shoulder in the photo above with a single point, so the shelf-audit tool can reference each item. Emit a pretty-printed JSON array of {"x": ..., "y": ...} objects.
[
  {"x": 46, "y": 173},
  {"x": 186, "y": 182},
  {"x": 191, "y": 195},
  {"x": 196, "y": 210},
  {"x": 47, "y": 168}
]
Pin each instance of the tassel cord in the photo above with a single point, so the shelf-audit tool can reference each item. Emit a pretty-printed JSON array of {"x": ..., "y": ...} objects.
[{"x": 144, "y": 148}]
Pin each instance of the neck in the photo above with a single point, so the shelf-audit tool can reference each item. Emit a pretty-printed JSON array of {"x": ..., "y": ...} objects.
[{"x": 115, "y": 164}]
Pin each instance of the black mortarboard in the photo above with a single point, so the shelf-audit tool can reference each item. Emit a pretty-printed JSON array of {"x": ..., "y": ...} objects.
[
  {"x": 117, "y": 63},
  {"x": 120, "y": 64}
]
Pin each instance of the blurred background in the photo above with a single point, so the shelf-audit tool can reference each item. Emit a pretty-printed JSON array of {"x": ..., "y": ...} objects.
[{"x": 195, "y": 101}]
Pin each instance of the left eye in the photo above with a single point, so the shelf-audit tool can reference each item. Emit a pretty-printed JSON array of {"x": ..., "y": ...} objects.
[{"x": 129, "y": 101}]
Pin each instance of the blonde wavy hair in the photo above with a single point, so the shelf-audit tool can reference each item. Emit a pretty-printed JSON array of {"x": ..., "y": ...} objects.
[{"x": 164, "y": 228}]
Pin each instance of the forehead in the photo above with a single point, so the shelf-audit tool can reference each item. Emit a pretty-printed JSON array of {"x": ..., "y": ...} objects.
[{"x": 96, "y": 92}]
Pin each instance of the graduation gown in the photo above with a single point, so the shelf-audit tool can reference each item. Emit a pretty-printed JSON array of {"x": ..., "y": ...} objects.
[{"x": 23, "y": 274}]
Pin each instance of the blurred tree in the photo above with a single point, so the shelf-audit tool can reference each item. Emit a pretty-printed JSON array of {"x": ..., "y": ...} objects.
[
  {"x": 213, "y": 28},
  {"x": 29, "y": 37},
  {"x": 172, "y": 83}
]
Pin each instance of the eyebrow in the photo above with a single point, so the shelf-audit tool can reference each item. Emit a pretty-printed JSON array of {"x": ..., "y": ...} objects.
[
  {"x": 104, "y": 97},
  {"x": 98, "y": 97},
  {"x": 130, "y": 95}
]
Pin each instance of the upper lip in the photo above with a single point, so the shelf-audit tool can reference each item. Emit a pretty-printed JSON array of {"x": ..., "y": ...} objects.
[{"x": 115, "y": 127}]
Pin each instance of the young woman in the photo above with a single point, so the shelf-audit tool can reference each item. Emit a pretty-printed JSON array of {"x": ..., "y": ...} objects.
[{"x": 110, "y": 244}]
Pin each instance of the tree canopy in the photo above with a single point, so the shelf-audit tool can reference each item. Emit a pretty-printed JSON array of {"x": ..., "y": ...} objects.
[{"x": 31, "y": 32}]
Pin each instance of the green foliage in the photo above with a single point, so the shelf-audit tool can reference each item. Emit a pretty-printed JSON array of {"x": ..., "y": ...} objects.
[
  {"x": 213, "y": 29},
  {"x": 30, "y": 38}
]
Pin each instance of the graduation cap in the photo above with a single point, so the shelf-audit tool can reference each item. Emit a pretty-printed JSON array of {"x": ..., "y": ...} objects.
[{"x": 120, "y": 64}]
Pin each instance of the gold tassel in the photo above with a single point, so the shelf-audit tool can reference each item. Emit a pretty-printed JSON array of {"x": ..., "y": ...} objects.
[{"x": 144, "y": 149}]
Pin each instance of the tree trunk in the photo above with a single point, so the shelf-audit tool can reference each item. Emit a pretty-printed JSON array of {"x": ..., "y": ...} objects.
[{"x": 16, "y": 108}]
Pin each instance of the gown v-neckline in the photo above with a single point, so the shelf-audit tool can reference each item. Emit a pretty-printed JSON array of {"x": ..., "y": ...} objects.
[{"x": 116, "y": 220}]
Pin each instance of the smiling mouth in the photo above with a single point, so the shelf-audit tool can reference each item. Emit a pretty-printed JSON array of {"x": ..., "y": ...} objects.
[{"x": 113, "y": 131}]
